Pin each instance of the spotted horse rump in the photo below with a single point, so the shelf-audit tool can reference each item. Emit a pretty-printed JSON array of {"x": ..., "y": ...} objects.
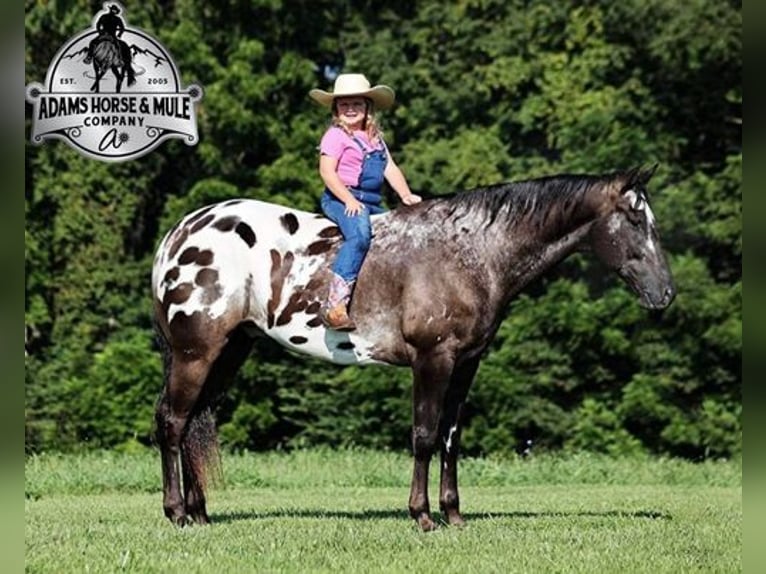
[
  {"x": 431, "y": 294},
  {"x": 256, "y": 265}
]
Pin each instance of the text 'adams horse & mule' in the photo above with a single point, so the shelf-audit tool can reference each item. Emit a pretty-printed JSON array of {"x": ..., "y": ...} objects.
[{"x": 431, "y": 295}]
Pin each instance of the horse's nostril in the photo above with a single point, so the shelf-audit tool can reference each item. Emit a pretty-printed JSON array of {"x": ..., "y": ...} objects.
[{"x": 669, "y": 295}]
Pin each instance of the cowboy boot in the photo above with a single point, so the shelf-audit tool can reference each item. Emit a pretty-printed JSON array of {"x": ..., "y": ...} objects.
[{"x": 334, "y": 312}]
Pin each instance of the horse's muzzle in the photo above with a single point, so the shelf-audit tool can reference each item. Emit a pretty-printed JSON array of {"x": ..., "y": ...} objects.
[{"x": 658, "y": 301}]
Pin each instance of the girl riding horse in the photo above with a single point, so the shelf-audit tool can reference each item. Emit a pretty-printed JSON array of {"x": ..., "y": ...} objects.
[{"x": 353, "y": 163}]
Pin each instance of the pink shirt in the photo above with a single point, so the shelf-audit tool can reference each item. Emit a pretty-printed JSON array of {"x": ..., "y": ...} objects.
[{"x": 338, "y": 144}]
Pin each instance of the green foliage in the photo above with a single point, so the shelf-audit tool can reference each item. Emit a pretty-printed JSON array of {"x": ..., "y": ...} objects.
[
  {"x": 110, "y": 404},
  {"x": 599, "y": 429},
  {"x": 468, "y": 159},
  {"x": 486, "y": 91},
  {"x": 116, "y": 392}
]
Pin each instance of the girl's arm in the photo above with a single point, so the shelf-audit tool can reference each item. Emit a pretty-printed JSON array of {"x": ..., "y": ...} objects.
[{"x": 398, "y": 182}]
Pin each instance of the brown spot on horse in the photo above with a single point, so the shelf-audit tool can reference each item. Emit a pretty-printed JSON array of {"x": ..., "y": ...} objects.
[
  {"x": 319, "y": 247},
  {"x": 226, "y": 223},
  {"x": 171, "y": 276},
  {"x": 289, "y": 222},
  {"x": 177, "y": 242},
  {"x": 246, "y": 233},
  {"x": 279, "y": 270},
  {"x": 195, "y": 255},
  {"x": 179, "y": 294},
  {"x": 201, "y": 223}
]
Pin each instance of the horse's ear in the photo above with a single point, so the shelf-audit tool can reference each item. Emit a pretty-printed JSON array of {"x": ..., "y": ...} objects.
[
  {"x": 638, "y": 176},
  {"x": 631, "y": 177},
  {"x": 646, "y": 174}
]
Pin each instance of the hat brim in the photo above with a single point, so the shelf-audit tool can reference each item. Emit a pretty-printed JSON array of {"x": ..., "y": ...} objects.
[{"x": 381, "y": 96}]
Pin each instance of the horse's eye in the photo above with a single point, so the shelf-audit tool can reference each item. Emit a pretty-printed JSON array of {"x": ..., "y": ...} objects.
[{"x": 635, "y": 215}]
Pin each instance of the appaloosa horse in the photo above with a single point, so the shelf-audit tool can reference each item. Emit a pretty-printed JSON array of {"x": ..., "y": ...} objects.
[{"x": 431, "y": 295}]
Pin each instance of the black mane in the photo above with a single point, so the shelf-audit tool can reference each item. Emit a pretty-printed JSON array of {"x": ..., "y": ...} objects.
[{"x": 531, "y": 200}]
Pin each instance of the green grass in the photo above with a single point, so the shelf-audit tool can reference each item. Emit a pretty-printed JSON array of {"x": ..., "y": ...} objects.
[{"x": 325, "y": 511}]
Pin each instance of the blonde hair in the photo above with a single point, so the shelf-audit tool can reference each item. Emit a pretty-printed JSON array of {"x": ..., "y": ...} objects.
[{"x": 370, "y": 125}]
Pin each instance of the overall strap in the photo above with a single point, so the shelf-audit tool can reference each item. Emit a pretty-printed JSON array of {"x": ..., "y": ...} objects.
[{"x": 363, "y": 148}]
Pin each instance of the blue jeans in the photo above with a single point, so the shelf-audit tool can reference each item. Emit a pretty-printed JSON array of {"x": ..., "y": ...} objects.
[{"x": 356, "y": 230}]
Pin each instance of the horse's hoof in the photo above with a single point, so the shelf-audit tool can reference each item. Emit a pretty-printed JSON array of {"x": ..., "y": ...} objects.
[
  {"x": 179, "y": 520},
  {"x": 455, "y": 520},
  {"x": 426, "y": 523},
  {"x": 201, "y": 519}
]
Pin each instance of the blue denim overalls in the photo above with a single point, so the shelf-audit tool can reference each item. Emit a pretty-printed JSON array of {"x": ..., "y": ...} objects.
[{"x": 356, "y": 229}]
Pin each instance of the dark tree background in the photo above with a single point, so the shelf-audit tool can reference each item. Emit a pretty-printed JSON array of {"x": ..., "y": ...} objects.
[{"x": 487, "y": 91}]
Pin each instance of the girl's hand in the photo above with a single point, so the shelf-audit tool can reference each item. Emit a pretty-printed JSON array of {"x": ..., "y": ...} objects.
[
  {"x": 411, "y": 199},
  {"x": 353, "y": 207}
]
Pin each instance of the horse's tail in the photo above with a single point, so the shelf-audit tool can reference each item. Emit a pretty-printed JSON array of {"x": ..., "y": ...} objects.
[
  {"x": 164, "y": 347},
  {"x": 199, "y": 446},
  {"x": 200, "y": 452},
  {"x": 127, "y": 59}
]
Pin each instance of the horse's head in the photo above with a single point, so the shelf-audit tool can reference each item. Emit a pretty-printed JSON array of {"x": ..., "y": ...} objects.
[{"x": 625, "y": 238}]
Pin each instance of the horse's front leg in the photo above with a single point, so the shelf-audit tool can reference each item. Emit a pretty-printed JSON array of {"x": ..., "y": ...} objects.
[
  {"x": 449, "y": 429},
  {"x": 431, "y": 377}
]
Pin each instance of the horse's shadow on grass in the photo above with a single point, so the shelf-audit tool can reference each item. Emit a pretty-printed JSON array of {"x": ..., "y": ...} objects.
[{"x": 376, "y": 514}]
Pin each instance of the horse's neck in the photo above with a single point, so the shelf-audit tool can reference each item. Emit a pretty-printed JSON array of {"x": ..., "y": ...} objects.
[
  {"x": 535, "y": 258},
  {"x": 504, "y": 253},
  {"x": 523, "y": 252}
]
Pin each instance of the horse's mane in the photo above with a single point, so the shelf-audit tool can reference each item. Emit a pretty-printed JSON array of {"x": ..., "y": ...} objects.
[{"x": 531, "y": 200}]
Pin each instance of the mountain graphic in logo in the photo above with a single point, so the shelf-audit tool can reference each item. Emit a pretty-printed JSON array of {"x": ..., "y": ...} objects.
[{"x": 113, "y": 93}]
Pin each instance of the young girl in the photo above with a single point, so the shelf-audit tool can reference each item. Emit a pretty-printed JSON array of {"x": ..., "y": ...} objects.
[{"x": 353, "y": 163}]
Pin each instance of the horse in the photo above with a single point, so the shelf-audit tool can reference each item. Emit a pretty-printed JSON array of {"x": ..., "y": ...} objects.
[
  {"x": 110, "y": 53},
  {"x": 431, "y": 295}
]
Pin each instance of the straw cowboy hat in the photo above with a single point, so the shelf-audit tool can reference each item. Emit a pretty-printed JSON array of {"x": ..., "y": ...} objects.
[{"x": 347, "y": 85}]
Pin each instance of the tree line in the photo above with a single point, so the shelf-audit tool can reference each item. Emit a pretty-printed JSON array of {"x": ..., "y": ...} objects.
[{"x": 487, "y": 91}]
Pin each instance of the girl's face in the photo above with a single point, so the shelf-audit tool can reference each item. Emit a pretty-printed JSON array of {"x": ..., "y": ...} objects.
[{"x": 351, "y": 111}]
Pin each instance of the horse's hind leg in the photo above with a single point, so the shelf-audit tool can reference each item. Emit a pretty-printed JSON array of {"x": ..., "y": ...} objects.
[
  {"x": 118, "y": 74},
  {"x": 199, "y": 444},
  {"x": 99, "y": 74},
  {"x": 185, "y": 380},
  {"x": 449, "y": 429}
]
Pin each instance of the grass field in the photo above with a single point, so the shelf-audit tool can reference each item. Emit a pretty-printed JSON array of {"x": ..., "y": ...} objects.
[{"x": 327, "y": 511}]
